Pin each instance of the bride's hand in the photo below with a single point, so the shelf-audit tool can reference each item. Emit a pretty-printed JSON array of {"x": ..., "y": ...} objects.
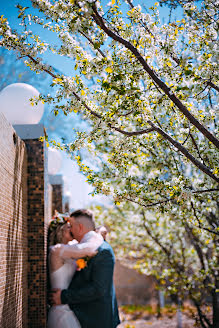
[{"x": 56, "y": 249}]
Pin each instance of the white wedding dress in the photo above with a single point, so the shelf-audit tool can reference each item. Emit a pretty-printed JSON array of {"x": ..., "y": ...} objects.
[{"x": 61, "y": 316}]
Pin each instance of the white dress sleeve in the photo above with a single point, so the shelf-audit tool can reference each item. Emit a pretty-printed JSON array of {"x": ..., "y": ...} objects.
[{"x": 80, "y": 250}]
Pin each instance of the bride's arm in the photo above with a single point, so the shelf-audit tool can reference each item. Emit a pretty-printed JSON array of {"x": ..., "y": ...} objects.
[
  {"x": 55, "y": 261},
  {"x": 76, "y": 251}
]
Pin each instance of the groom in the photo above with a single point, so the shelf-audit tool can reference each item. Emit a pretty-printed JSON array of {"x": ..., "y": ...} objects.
[{"x": 91, "y": 293}]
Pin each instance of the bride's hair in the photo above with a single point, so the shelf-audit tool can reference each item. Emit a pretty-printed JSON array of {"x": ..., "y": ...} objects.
[
  {"x": 56, "y": 228},
  {"x": 55, "y": 235}
]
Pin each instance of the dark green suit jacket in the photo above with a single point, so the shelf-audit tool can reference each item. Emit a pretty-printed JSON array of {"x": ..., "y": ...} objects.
[{"x": 91, "y": 294}]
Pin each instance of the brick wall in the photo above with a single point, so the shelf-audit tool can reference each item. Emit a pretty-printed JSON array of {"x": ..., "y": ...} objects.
[
  {"x": 25, "y": 209},
  {"x": 37, "y": 234},
  {"x": 56, "y": 182},
  {"x": 57, "y": 198},
  {"x": 13, "y": 228}
]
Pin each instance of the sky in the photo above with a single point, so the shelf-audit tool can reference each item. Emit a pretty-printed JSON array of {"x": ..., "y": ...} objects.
[{"x": 75, "y": 183}]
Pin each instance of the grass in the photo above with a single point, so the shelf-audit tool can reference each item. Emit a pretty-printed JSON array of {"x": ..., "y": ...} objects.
[{"x": 140, "y": 311}]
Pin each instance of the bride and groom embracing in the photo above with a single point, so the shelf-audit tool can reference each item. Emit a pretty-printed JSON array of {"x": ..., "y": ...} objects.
[{"x": 81, "y": 275}]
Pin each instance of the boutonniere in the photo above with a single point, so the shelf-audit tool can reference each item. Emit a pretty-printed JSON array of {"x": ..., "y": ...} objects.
[{"x": 82, "y": 263}]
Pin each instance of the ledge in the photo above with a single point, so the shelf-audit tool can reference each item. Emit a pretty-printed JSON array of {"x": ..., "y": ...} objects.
[
  {"x": 56, "y": 179},
  {"x": 29, "y": 131}
]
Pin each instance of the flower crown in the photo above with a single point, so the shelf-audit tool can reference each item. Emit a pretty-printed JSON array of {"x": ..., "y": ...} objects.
[{"x": 57, "y": 220}]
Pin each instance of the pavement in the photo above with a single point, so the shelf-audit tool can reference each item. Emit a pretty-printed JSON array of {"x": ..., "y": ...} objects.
[{"x": 163, "y": 322}]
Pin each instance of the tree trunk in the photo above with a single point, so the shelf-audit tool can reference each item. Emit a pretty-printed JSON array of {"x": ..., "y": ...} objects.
[{"x": 215, "y": 301}]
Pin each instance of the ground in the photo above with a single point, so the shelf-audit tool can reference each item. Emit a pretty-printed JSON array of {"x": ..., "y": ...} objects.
[{"x": 146, "y": 316}]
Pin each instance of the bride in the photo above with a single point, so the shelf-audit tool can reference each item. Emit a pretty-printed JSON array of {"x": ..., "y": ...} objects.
[{"x": 63, "y": 266}]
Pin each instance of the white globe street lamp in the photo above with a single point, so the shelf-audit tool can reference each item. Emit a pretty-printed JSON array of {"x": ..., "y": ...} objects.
[{"x": 16, "y": 106}]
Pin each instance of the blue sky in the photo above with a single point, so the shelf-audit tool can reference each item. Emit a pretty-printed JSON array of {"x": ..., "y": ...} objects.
[
  {"x": 77, "y": 186},
  {"x": 75, "y": 182},
  {"x": 64, "y": 65}
]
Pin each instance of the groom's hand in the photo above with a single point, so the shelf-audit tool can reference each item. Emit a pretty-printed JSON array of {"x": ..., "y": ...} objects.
[{"x": 55, "y": 297}]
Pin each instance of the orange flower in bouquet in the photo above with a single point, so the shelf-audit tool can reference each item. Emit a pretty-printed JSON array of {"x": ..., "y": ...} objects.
[{"x": 81, "y": 264}]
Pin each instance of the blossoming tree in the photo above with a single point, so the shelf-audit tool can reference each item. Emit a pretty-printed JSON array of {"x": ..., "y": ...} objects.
[
  {"x": 180, "y": 256},
  {"x": 148, "y": 92}
]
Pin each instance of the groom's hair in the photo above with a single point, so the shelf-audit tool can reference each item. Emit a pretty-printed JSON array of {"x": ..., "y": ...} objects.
[{"x": 84, "y": 216}]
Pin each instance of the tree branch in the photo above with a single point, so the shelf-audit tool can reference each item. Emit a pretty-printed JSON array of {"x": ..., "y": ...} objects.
[
  {"x": 150, "y": 205},
  {"x": 195, "y": 242},
  {"x": 199, "y": 223},
  {"x": 204, "y": 190},
  {"x": 174, "y": 264},
  {"x": 212, "y": 85},
  {"x": 166, "y": 251},
  {"x": 91, "y": 42},
  {"x": 202, "y": 316},
  {"x": 127, "y": 133},
  {"x": 174, "y": 58},
  {"x": 183, "y": 150},
  {"x": 202, "y": 167},
  {"x": 130, "y": 134},
  {"x": 196, "y": 146},
  {"x": 100, "y": 22}
]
